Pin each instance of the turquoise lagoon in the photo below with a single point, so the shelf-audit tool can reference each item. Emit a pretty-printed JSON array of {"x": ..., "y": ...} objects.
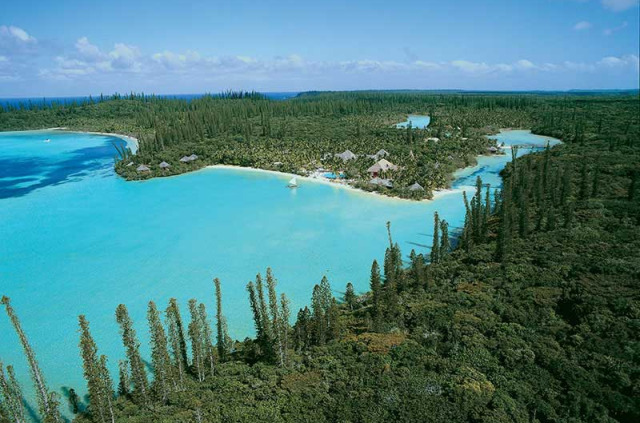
[
  {"x": 77, "y": 239},
  {"x": 416, "y": 121}
]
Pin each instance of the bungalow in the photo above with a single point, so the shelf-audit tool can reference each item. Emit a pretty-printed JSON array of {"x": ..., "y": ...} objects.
[
  {"x": 416, "y": 187},
  {"x": 346, "y": 156},
  {"x": 164, "y": 165},
  {"x": 492, "y": 150},
  {"x": 381, "y": 182},
  {"x": 143, "y": 168},
  {"x": 381, "y": 166},
  {"x": 434, "y": 139},
  {"x": 379, "y": 155}
]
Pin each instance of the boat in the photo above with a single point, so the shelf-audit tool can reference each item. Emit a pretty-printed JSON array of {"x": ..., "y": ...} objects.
[
  {"x": 47, "y": 140},
  {"x": 293, "y": 183}
]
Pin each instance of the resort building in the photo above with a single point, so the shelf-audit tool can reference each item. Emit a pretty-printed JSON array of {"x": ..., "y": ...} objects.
[
  {"x": 381, "y": 182},
  {"x": 164, "y": 165},
  {"x": 416, "y": 187},
  {"x": 187, "y": 159},
  {"x": 493, "y": 150},
  {"x": 143, "y": 168},
  {"x": 379, "y": 155},
  {"x": 346, "y": 156},
  {"x": 383, "y": 165}
]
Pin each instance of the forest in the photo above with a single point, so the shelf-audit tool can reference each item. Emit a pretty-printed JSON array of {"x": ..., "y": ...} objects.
[
  {"x": 304, "y": 134},
  {"x": 530, "y": 313}
]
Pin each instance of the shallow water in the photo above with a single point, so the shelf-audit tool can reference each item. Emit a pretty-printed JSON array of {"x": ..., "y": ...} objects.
[
  {"x": 75, "y": 238},
  {"x": 416, "y": 121}
]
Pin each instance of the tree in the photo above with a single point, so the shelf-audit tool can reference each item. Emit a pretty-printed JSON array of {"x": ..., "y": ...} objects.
[
  {"x": 350, "y": 296},
  {"x": 124, "y": 380},
  {"x": 435, "y": 247},
  {"x": 176, "y": 339},
  {"x": 47, "y": 402},
  {"x": 376, "y": 295},
  {"x": 445, "y": 246},
  {"x": 100, "y": 389},
  {"x": 132, "y": 347},
  {"x": 160, "y": 359},
  {"x": 222, "y": 337},
  {"x": 197, "y": 342},
  {"x": 207, "y": 339},
  {"x": 11, "y": 404}
]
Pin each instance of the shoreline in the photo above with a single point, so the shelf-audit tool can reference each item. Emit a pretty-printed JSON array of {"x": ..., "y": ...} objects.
[
  {"x": 132, "y": 142},
  {"x": 324, "y": 181}
]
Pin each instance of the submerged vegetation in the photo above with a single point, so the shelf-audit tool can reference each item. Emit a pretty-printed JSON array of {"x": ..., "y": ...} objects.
[{"x": 530, "y": 314}]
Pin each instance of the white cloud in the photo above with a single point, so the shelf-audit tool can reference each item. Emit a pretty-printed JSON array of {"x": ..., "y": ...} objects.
[
  {"x": 619, "y": 5},
  {"x": 582, "y": 26},
  {"x": 88, "y": 51},
  {"x": 15, "y": 34},
  {"x": 610, "y": 31}
]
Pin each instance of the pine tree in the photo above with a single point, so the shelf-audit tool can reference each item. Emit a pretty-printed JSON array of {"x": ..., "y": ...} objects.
[
  {"x": 584, "y": 182},
  {"x": 318, "y": 317},
  {"x": 177, "y": 341},
  {"x": 11, "y": 404},
  {"x": 284, "y": 328},
  {"x": 100, "y": 390},
  {"x": 207, "y": 339},
  {"x": 222, "y": 337},
  {"x": 435, "y": 247},
  {"x": 124, "y": 380},
  {"x": 161, "y": 361},
  {"x": 376, "y": 294},
  {"x": 276, "y": 324},
  {"x": 47, "y": 403},
  {"x": 132, "y": 347},
  {"x": 302, "y": 329},
  {"x": 350, "y": 296},
  {"x": 266, "y": 322},
  {"x": 195, "y": 335},
  {"x": 445, "y": 245}
]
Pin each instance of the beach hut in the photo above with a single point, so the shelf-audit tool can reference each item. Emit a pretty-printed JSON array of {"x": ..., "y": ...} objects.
[
  {"x": 382, "y": 153},
  {"x": 130, "y": 164},
  {"x": 382, "y": 165},
  {"x": 434, "y": 139},
  {"x": 143, "y": 168},
  {"x": 416, "y": 187},
  {"x": 164, "y": 165},
  {"x": 193, "y": 157},
  {"x": 493, "y": 150},
  {"x": 381, "y": 182},
  {"x": 346, "y": 156},
  {"x": 185, "y": 159}
]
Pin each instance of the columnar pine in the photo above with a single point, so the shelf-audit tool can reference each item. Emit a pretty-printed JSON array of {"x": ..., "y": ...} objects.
[
  {"x": 100, "y": 390},
  {"x": 285, "y": 315},
  {"x": 124, "y": 379},
  {"x": 445, "y": 245},
  {"x": 132, "y": 347},
  {"x": 47, "y": 403},
  {"x": 376, "y": 295},
  {"x": 11, "y": 404},
  {"x": 177, "y": 341},
  {"x": 435, "y": 247},
  {"x": 222, "y": 337},
  {"x": 275, "y": 318},
  {"x": 163, "y": 381},
  {"x": 207, "y": 336},
  {"x": 197, "y": 342},
  {"x": 350, "y": 296}
]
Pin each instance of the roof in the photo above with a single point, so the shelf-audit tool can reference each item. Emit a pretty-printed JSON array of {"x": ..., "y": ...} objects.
[
  {"x": 381, "y": 182},
  {"x": 493, "y": 149},
  {"x": 382, "y": 165},
  {"x": 346, "y": 155},
  {"x": 190, "y": 158},
  {"x": 164, "y": 165},
  {"x": 142, "y": 168},
  {"x": 434, "y": 139},
  {"x": 416, "y": 187},
  {"x": 382, "y": 153}
]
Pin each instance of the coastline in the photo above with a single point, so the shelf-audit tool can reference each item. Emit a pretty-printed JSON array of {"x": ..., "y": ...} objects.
[
  {"x": 339, "y": 185},
  {"x": 132, "y": 142}
]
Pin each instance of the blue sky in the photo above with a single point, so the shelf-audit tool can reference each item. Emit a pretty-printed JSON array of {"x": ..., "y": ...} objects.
[{"x": 55, "y": 48}]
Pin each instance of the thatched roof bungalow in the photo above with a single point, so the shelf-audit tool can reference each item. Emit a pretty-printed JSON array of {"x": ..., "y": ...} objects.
[
  {"x": 164, "y": 165},
  {"x": 381, "y": 182},
  {"x": 416, "y": 187},
  {"x": 381, "y": 166},
  {"x": 143, "y": 168},
  {"x": 346, "y": 156}
]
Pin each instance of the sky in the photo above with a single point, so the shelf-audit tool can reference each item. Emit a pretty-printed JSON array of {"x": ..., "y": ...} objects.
[{"x": 73, "y": 48}]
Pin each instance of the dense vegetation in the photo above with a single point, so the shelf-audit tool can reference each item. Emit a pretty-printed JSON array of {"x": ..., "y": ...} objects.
[
  {"x": 298, "y": 135},
  {"x": 532, "y": 317}
]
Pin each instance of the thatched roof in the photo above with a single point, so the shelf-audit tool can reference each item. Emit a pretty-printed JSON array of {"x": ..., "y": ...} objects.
[
  {"x": 346, "y": 155},
  {"x": 164, "y": 165},
  {"x": 381, "y": 166},
  {"x": 493, "y": 149},
  {"x": 185, "y": 159},
  {"x": 143, "y": 168},
  {"x": 416, "y": 187},
  {"x": 381, "y": 182}
]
